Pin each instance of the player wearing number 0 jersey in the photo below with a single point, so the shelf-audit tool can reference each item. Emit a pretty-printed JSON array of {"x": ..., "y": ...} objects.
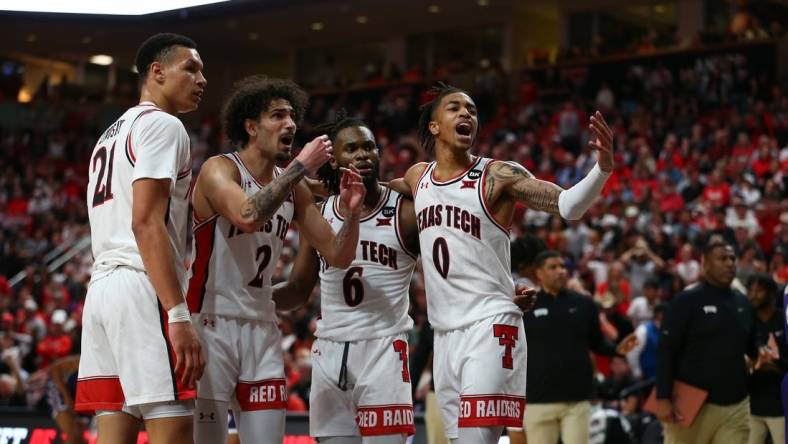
[
  {"x": 243, "y": 205},
  {"x": 360, "y": 381},
  {"x": 464, "y": 205},
  {"x": 140, "y": 354}
]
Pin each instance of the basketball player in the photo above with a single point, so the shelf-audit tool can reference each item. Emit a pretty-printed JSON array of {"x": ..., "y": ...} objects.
[
  {"x": 360, "y": 380},
  {"x": 141, "y": 357},
  {"x": 464, "y": 206},
  {"x": 243, "y": 205}
]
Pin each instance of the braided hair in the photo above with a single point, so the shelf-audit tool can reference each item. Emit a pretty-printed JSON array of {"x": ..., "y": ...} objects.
[
  {"x": 328, "y": 175},
  {"x": 438, "y": 92}
]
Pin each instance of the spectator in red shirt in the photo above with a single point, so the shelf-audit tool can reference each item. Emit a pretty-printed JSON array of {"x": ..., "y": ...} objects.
[
  {"x": 717, "y": 192},
  {"x": 57, "y": 343}
]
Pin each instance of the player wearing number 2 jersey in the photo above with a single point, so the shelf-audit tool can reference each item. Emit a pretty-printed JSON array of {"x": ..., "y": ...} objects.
[
  {"x": 140, "y": 354},
  {"x": 360, "y": 381},
  {"x": 243, "y": 205},
  {"x": 464, "y": 205}
]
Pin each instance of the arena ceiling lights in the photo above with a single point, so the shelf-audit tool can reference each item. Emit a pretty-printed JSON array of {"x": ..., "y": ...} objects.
[{"x": 136, "y": 7}]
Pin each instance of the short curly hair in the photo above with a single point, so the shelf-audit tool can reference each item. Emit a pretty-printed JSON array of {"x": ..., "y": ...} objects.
[{"x": 252, "y": 96}]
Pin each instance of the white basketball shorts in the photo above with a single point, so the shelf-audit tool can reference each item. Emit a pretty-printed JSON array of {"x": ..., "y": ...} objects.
[
  {"x": 480, "y": 373},
  {"x": 361, "y": 388},
  {"x": 243, "y": 360},
  {"x": 126, "y": 353}
]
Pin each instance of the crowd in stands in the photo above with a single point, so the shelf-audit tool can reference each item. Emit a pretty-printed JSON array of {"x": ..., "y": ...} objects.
[{"x": 700, "y": 148}]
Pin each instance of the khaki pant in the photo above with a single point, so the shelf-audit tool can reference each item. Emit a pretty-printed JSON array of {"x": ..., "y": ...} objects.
[
  {"x": 760, "y": 426},
  {"x": 436, "y": 433},
  {"x": 715, "y": 424},
  {"x": 545, "y": 423}
]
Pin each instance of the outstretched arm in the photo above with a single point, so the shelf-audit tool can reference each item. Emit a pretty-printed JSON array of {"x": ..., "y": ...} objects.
[
  {"x": 518, "y": 183},
  {"x": 295, "y": 291}
]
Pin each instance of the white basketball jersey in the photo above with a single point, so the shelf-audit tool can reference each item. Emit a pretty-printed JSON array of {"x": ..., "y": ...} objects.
[
  {"x": 369, "y": 299},
  {"x": 145, "y": 142},
  {"x": 464, "y": 251},
  {"x": 231, "y": 273}
]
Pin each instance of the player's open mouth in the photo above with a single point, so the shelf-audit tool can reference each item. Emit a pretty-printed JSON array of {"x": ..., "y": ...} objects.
[
  {"x": 364, "y": 169},
  {"x": 464, "y": 129},
  {"x": 287, "y": 140}
]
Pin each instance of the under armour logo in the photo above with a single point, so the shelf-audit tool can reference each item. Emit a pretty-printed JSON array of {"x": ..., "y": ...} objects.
[
  {"x": 424, "y": 185},
  {"x": 206, "y": 322},
  {"x": 469, "y": 184},
  {"x": 384, "y": 222},
  {"x": 208, "y": 416},
  {"x": 710, "y": 309}
]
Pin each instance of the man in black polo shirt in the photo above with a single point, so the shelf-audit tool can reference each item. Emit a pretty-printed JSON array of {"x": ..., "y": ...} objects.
[
  {"x": 765, "y": 405},
  {"x": 561, "y": 328},
  {"x": 706, "y": 332}
]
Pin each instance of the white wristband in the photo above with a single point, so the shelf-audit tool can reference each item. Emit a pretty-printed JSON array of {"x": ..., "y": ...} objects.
[
  {"x": 179, "y": 313},
  {"x": 574, "y": 202}
]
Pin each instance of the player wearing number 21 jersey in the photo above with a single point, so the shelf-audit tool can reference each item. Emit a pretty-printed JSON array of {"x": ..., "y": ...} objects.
[
  {"x": 141, "y": 355},
  {"x": 464, "y": 206},
  {"x": 360, "y": 381},
  {"x": 243, "y": 206}
]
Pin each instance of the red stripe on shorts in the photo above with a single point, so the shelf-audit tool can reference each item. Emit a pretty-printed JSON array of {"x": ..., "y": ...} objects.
[
  {"x": 268, "y": 394},
  {"x": 203, "y": 241},
  {"x": 99, "y": 393},
  {"x": 491, "y": 410},
  {"x": 391, "y": 419}
]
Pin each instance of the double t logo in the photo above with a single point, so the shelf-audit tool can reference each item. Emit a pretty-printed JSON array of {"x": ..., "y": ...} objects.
[{"x": 507, "y": 336}]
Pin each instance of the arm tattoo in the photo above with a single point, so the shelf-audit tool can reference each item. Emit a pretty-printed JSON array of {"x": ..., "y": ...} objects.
[
  {"x": 344, "y": 232},
  {"x": 524, "y": 187},
  {"x": 262, "y": 206}
]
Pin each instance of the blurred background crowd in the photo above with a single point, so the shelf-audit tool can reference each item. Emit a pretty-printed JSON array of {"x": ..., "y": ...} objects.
[{"x": 701, "y": 145}]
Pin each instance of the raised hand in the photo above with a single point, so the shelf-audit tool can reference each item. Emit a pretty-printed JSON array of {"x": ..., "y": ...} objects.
[
  {"x": 352, "y": 190},
  {"x": 602, "y": 141},
  {"x": 315, "y": 153}
]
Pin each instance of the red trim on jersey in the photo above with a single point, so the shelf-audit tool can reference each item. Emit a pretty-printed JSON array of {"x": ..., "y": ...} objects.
[
  {"x": 204, "y": 234},
  {"x": 397, "y": 229},
  {"x": 248, "y": 171},
  {"x": 180, "y": 391},
  {"x": 456, "y": 177},
  {"x": 415, "y": 189},
  {"x": 266, "y": 394},
  {"x": 391, "y": 419},
  {"x": 129, "y": 143},
  {"x": 99, "y": 393},
  {"x": 491, "y": 410},
  {"x": 381, "y": 203},
  {"x": 184, "y": 173},
  {"x": 483, "y": 201}
]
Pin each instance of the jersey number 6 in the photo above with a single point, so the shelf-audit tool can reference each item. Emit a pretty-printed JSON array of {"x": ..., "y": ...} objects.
[{"x": 352, "y": 286}]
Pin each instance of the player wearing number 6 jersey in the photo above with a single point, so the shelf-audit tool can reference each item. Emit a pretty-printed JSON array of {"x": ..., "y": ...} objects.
[
  {"x": 464, "y": 206},
  {"x": 360, "y": 381},
  {"x": 243, "y": 205}
]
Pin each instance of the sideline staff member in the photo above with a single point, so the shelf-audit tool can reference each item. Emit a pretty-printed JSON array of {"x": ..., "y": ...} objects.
[{"x": 706, "y": 332}]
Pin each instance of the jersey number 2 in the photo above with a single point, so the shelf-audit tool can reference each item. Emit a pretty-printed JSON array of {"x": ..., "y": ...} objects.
[
  {"x": 265, "y": 251},
  {"x": 103, "y": 192}
]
